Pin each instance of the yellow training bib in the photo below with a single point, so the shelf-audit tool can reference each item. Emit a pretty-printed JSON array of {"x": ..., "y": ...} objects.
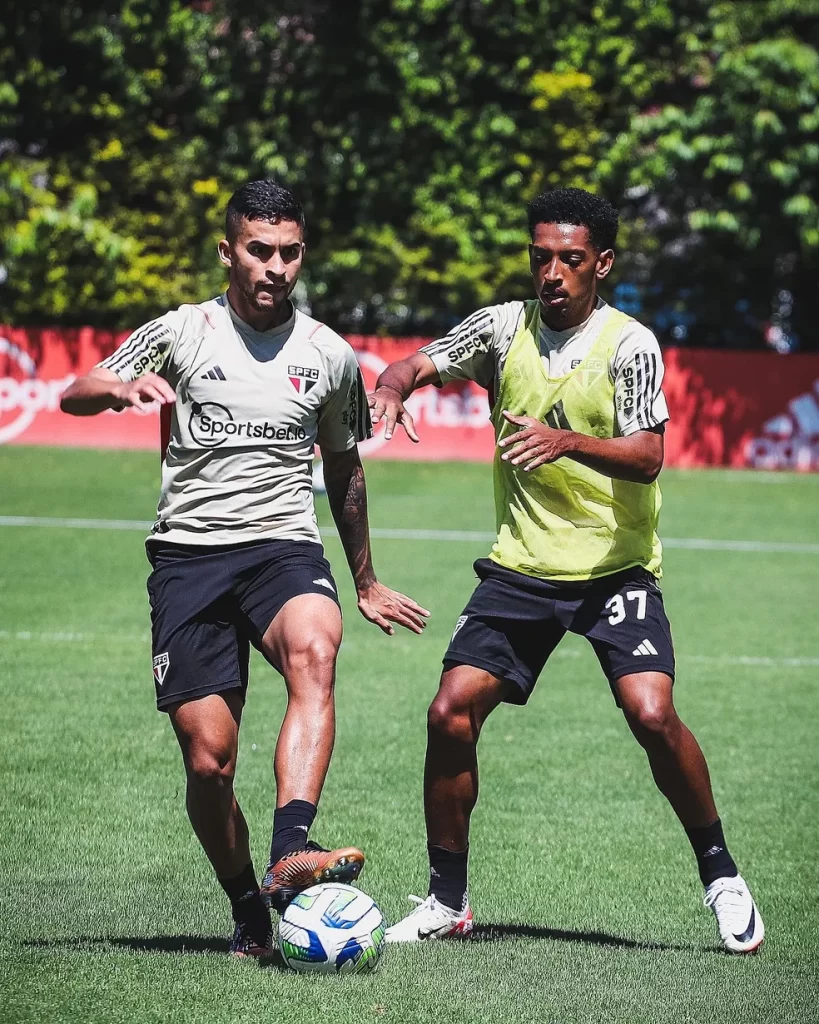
[{"x": 565, "y": 521}]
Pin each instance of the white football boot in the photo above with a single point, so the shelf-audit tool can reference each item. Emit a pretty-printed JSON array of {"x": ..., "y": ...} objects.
[
  {"x": 740, "y": 925},
  {"x": 431, "y": 920}
]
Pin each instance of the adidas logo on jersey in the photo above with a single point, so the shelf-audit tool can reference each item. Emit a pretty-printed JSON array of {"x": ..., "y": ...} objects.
[
  {"x": 214, "y": 373},
  {"x": 303, "y": 378},
  {"x": 646, "y": 647},
  {"x": 791, "y": 439}
]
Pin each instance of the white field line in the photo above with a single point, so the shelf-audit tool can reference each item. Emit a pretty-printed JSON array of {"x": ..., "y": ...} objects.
[
  {"x": 468, "y": 536},
  {"x": 52, "y": 637}
]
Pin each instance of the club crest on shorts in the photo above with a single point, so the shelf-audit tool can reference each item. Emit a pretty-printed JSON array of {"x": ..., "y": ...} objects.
[
  {"x": 161, "y": 662},
  {"x": 461, "y": 620},
  {"x": 303, "y": 378}
]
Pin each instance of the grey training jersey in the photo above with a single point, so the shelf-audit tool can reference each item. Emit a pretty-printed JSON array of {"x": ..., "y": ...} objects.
[{"x": 250, "y": 406}]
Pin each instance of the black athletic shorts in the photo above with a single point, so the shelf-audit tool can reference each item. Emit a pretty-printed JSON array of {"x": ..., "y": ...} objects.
[
  {"x": 208, "y": 604},
  {"x": 513, "y": 622}
]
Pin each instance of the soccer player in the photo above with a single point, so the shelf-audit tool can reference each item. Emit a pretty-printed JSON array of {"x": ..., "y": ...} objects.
[
  {"x": 576, "y": 394},
  {"x": 251, "y": 384}
]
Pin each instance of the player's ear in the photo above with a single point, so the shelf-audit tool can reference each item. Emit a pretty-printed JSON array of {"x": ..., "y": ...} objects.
[
  {"x": 223, "y": 248},
  {"x": 605, "y": 261}
]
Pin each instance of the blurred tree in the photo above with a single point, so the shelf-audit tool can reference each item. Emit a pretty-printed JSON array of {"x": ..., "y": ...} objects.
[
  {"x": 415, "y": 131},
  {"x": 104, "y": 203},
  {"x": 724, "y": 176},
  {"x": 418, "y": 131}
]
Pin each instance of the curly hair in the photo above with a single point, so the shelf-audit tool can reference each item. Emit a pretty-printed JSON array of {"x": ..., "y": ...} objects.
[
  {"x": 262, "y": 200},
  {"x": 576, "y": 206}
]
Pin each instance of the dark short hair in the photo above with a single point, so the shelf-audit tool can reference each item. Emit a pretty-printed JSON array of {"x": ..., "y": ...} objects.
[
  {"x": 576, "y": 206},
  {"x": 262, "y": 200}
]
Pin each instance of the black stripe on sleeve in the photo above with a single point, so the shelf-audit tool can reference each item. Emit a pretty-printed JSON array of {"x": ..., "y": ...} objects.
[
  {"x": 638, "y": 389},
  {"x": 121, "y": 354},
  {"x": 650, "y": 393},
  {"x": 470, "y": 328},
  {"x": 134, "y": 346},
  {"x": 139, "y": 345},
  {"x": 364, "y": 426}
]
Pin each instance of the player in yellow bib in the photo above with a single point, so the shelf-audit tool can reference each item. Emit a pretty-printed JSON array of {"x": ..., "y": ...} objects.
[{"x": 575, "y": 389}]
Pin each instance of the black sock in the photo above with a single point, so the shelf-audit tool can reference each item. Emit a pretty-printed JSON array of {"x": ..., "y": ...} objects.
[
  {"x": 447, "y": 875},
  {"x": 240, "y": 886},
  {"x": 713, "y": 859},
  {"x": 291, "y": 824},
  {"x": 246, "y": 903}
]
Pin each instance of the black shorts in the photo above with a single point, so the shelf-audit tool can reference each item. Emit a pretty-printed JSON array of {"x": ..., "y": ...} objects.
[
  {"x": 208, "y": 604},
  {"x": 513, "y": 622}
]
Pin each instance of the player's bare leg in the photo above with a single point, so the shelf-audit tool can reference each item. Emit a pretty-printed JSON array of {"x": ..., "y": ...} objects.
[
  {"x": 208, "y": 733},
  {"x": 303, "y": 642},
  {"x": 677, "y": 762},
  {"x": 681, "y": 773},
  {"x": 465, "y": 699}
]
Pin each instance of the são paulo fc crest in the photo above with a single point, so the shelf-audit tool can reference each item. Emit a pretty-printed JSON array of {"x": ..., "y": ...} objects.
[
  {"x": 161, "y": 662},
  {"x": 303, "y": 378}
]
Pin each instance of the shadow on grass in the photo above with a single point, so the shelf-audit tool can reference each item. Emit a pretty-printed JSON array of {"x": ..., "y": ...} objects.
[
  {"x": 150, "y": 944},
  {"x": 501, "y": 932},
  {"x": 482, "y": 933}
]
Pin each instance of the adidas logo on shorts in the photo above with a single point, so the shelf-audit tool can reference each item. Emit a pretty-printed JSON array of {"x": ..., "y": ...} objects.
[{"x": 645, "y": 647}]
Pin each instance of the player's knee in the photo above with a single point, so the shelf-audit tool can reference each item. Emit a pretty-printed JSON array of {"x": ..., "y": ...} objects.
[
  {"x": 210, "y": 766},
  {"x": 313, "y": 655},
  {"x": 653, "y": 721},
  {"x": 314, "y": 658},
  {"x": 449, "y": 719}
]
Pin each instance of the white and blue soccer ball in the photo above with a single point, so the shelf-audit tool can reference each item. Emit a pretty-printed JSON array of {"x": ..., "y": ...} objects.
[{"x": 332, "y": 929}]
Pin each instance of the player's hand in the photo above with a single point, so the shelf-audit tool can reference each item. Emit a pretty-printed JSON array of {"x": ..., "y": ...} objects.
[
  {"x": 144, "y": 391},
  {"x": 534, "y": 443},
  {"x": 383, "y": 606},
  {"x": 388, "y": 405}
]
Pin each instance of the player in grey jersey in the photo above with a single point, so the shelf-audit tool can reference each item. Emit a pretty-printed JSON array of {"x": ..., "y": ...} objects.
[{"x": 251, "y": 385}]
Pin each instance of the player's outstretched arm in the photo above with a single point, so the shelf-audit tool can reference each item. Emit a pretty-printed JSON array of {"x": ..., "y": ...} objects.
[
  {"x": 347, "y": 494},
  {"x": 638, "y": 457},
  {"x": 102, "y": 389},
  {"x": 394, "y": 386}
]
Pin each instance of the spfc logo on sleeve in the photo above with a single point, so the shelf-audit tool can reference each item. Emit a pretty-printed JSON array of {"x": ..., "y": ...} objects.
[
  {"x": 161, "y": 662},
  {"x": 303, "y": 378}
]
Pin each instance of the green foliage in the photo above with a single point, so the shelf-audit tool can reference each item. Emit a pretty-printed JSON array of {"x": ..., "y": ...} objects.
[
  {"x": 730, "y": 168},
  {"x": 103, "y": 214},
  {"x": 415, "y": 132}
]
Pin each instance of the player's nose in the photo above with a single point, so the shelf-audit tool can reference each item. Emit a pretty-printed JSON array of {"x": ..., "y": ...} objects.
[
  {"x": 553, "y": 271},
  {"x": 276, "y": 266}
]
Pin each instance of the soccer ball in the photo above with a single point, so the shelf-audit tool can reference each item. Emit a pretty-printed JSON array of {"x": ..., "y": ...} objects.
[{"x": 332, "y": 929}]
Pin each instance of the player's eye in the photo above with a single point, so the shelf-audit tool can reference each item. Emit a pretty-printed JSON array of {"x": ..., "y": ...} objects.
[{"x": 290, "y": 253}]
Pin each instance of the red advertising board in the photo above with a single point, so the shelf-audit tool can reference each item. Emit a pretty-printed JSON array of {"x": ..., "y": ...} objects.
[{"x": 742, "y": 409}]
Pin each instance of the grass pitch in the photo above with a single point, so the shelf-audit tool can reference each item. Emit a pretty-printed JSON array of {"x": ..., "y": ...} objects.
[{"x": 583, "y": 885}]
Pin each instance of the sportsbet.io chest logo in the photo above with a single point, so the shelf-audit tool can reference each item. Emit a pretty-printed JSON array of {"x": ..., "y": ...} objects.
[{"x": 212, "y": 424}]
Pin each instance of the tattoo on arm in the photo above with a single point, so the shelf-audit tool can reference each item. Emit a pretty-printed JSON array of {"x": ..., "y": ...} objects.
[{"x": 347, "y": 494}]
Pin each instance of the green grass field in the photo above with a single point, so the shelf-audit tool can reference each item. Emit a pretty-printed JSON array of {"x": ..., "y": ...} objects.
[{"x": 584, "y": 888}]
